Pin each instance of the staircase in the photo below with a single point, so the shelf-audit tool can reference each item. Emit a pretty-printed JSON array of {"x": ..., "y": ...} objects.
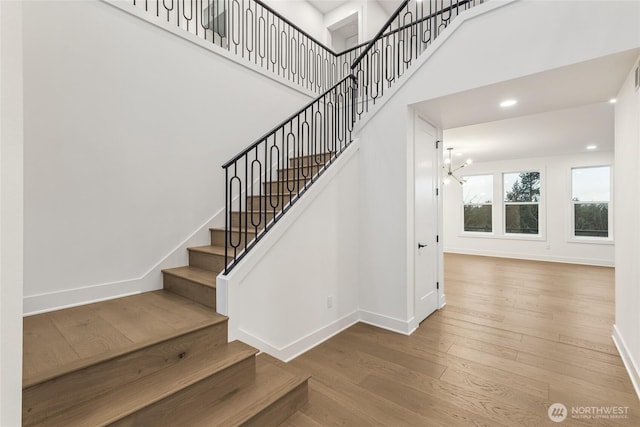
[{"x": 162, "y": 358}]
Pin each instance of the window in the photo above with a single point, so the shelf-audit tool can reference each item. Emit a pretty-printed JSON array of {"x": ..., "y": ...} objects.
[
  {"x": 521, "y": 198},
  {"x": 591, "y": 189},
  {"x": 477, "y": 196}
]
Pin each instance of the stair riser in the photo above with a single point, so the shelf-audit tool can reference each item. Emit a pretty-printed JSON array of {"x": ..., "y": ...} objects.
[
  {"x": 306, "y": 172},
  {"x": 194, "y": 291},
  {"x": 284, "y": 186},
  {"x": 51, "y": 397},
  {"x": 237, "y": 238},
  {"x": 206, "y": 392},
  {"x": 282, "y": 409},
  {"x": 206, "y": 261},
  {"x": 259, "y": 219},
  {"x": 318, "y": 159},
  {"x": 271, "y": 202}
]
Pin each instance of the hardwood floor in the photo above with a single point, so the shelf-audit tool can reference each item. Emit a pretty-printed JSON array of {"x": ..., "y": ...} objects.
[{"x": 515, "y": 337}]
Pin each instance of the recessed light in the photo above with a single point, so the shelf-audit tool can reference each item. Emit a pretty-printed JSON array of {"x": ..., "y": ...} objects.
[
  {"x": 613, "y": 101},
  {"x": 508, "y": 103},
  {"x": 591, "y": 147}
]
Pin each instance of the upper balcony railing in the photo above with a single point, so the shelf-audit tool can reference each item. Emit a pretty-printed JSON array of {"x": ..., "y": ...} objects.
[
  {"x": 259, "y": 34},
  {"x": 262, "y": 36}
]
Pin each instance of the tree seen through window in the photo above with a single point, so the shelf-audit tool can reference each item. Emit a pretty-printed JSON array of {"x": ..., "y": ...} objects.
[{"x": 522, "y": 195}]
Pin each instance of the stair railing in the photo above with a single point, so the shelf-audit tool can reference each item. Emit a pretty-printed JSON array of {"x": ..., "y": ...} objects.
[
  {"x": 269, "y": 176},
  {"x": 407, "y": 33}
]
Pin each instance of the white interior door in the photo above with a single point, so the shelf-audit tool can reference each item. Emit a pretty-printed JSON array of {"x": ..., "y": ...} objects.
[{"x": 426, "y": 219}]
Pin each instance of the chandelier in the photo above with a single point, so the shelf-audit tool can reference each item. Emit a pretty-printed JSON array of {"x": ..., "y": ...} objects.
[{"x": 448, "y": 166}]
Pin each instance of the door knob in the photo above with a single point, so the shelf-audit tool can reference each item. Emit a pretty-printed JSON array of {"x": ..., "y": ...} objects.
[{"x": 420, "y": 246}]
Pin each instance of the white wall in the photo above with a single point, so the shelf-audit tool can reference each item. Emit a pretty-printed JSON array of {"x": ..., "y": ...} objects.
[
  {"x": 375, "y": 17},
  {"x": 126, "y": 129},
  {"x": 513, "y": 40},
  {"x": 555, "y": 242},
  {"x": 301, "y": 13},
  {"x": 627, "y": 234},
  {"x": 11, "y": 198},
  {"x": 371, "y": 17},
  {"x": 276, "y": 299}
]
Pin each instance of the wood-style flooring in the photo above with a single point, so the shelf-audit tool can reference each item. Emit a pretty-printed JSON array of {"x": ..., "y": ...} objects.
[{"x": 515, "y": 337}]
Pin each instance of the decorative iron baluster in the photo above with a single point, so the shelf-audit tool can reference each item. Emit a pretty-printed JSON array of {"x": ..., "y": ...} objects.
[{"x": 288, "y": 159}]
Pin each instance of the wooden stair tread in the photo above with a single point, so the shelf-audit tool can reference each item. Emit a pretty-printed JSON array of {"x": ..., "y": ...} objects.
[
  {"x": 235, "y": 229},
  {"x": 212, "y": 250},
  {"x": 250, "y": 211},
  {"x": 194, "y": 274},
  {"x": 272, "y": 382},
  {"x": 267, "y": 358},
  {"x": 288, "y": 193},
  {"x": 299, "y": 419},
  {"x": 306, "y": 156},
  {"x": 113, "y": 326},
  {"x": 284, "y": 180},
  {"x": 318, "y": 166},
  {"x": 117, "y": 404}
]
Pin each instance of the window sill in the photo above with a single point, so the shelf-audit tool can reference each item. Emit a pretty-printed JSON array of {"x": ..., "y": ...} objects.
[
  {"x": 592, "y": 240},
  {"x": 526, "y": 237}
]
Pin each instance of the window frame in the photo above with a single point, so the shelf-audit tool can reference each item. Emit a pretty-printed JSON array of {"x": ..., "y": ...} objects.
[
  {"x": 523, "y": 236},
  {"x": 572, "y": 219},
  {"x": 492, "y": 204}
]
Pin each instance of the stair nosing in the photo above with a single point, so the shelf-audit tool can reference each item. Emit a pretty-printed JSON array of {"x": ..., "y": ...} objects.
[
  {"x": 306, "y": 156},
  {"x": 172, "y": 272},
  {"x": 235, "y": 229},
  {"x": 273, "y": 194},
  {"x": 202, "y": 249},
  {"x": 303, "y": 167},
  {"x": 102, "y": 358},
  {"x": 207, "y": 371},
  {"x": 270, "y": 211},
  {"x": 270, "y": 399}
]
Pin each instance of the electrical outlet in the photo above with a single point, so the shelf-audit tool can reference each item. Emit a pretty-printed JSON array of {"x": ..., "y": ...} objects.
[{"x": 330, "y": 301}]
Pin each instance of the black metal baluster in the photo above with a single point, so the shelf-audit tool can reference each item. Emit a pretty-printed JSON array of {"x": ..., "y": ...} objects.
[
  {"x": 296, "y": 149},
  {"x": 227, "y": 220}
]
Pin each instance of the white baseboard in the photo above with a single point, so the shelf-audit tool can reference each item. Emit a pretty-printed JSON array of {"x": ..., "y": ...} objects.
[
  {"x": 301, "y": 345},
  {"x": 443, "y": 302},
  {"x": 151, "y": 280},
  {"x": 404, "y": 327},
  {"x": 317, "y": 337},
  {"x": 532, "y": 257},
  {"x": 627, "y": 359}
]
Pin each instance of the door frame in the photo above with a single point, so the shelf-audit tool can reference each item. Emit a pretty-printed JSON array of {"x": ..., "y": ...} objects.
[{"x": 414, "y": 118}]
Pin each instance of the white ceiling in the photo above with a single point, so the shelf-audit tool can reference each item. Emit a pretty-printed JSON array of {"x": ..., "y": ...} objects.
[
  {"x": 345, "y": 28},
  {"x": 558, "y": 112},
  {"x": 326, "y": 6},
  {"x": 552, "y": 133}
]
